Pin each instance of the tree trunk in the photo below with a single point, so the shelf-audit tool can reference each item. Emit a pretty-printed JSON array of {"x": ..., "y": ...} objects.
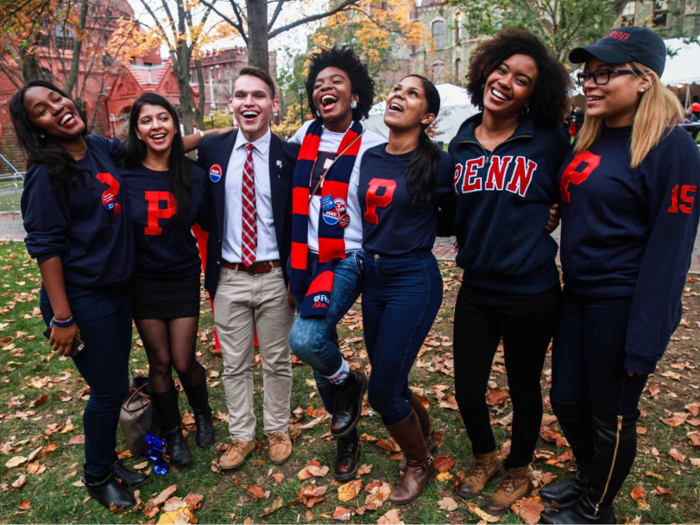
[
  {"x": 78, "y": 36},
  {"x": 29, "y": 60},
  {"x": 257, "y": 34},
  {"x": 199, "y": 112}
]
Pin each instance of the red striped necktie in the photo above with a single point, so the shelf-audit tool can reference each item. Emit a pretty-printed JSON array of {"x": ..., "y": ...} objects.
[{"x": 249, "y": 233}]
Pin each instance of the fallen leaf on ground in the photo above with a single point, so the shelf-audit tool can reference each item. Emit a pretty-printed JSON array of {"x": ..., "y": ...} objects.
[
  {"x": 175, "y": 517},
  {"x": 639, "y": 495},
  {"x": 496, "y": 396},
  {"x": 528, "y": 509},
  {"x": 675, "y": 421},
  {"x": 678, "y": 456},
  {"x": 256, "y": 492},
  {"x": 660, "y": 491},
  {"x": 277, "y": 504},
  {"x": 485, "y": 516},
  {"x": 549, "y": 434},
  {"x": 19, "y": 482},
  {"x": 349, "y": 490},
  {"x": 342, "y": 514},
  {"x": 444, "y": 476},
  {"x": 694, "y": 439},
  {"x": 378, "y": 493},
  {"x": 35, "y": 468},
  {"x": 43, "y": 398},
  {"x": 654, "y": 390},
  {"x": 24, "y": 505},
  {"x": 364, "y": 469},
  {"x": 311, "y": 495},
  {"x": 16, "y": 462},
  {"x": 77, "y": 440},
  {"x": 444, "y": 463},
  {"x": 163, "y": 496},
  {"x": 448, "y": 504},
  {"x": 449, "y": 402},
  {"x": 393, "y": 517},
  {"x": 194, "y": 501},
  {"x": 389, "y": 444}
]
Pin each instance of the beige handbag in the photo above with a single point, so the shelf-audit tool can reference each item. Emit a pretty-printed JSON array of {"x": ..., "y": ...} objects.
[{"x": 137, "y": 417}]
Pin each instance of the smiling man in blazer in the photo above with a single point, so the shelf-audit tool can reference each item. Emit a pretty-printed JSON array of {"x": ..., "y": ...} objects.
[{"x": 250, "y": 175}]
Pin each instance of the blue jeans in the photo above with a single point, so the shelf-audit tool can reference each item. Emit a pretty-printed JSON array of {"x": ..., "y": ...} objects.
[
  {"x": 588, "y": 356},
  {"x": 104, "y": 318},
  {"x": 400, "y": 299},
  {"x": 315, "y": 340}
]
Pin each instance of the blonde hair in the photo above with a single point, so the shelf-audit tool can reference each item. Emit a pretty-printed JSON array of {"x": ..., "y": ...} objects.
[{"x": 658, "y": 112}]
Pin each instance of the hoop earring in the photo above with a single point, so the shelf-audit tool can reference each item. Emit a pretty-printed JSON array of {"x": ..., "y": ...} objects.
[
  {"x": 525, "y": 111},
  {"x": 353, "y": 105}
]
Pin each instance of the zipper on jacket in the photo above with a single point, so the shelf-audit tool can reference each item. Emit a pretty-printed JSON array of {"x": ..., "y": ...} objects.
[
  {"x": 487, "y": 154},
  {"x": 612, "y": 467}
]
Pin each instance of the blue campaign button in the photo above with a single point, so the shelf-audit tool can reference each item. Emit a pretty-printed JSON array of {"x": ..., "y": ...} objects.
[{"x": 215, "y": 173}]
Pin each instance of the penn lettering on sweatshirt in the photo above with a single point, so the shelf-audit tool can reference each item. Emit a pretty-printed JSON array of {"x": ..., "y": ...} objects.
[
  {"x": 165, "y": 245},
  {"x": 391, "y": 223},
  {"x": 629, "y": 232},
  {"x": 503, "y": 202},
  {"x": 84, "y": 221}
]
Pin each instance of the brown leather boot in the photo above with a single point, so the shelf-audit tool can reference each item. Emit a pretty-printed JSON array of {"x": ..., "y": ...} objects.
[
  {"x": 420, "y": 466},
  {"x": 515, "y": 484},
  {"x": 428, "y": 433},
  {"x": 485, "y": 467}
]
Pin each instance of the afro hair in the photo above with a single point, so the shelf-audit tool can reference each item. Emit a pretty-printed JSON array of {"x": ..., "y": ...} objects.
[
  {"x": 548, "y": 102},
  {"x": 361, "y": 83}
]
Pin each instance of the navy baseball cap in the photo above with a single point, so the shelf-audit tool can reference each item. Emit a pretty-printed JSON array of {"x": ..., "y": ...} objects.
[{"x": 626, "y": 44}]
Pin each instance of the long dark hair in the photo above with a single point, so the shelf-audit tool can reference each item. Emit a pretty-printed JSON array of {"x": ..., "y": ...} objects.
[
  {"x": 421, "y": 171},
  {"x": 178, "y": 164},
  {"x": 47, "y": 150}
]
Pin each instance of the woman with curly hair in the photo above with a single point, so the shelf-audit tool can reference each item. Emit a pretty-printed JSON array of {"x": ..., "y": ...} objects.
[
  {"x": 327, "y": 256},
  {"x": 506, "y": 162}
]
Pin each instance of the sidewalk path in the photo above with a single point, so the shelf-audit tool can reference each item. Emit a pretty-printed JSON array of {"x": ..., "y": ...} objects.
[{"x": 11, "y": 229}]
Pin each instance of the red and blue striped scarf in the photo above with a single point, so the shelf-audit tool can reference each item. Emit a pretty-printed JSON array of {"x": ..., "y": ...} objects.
[{"x": 331, "y": 242}]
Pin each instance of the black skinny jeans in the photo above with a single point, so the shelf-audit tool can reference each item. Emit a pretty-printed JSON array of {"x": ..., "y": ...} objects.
[{"x": 526, "y": 323}]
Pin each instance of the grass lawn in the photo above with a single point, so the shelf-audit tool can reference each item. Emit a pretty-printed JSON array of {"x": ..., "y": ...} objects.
[{"x": 43, "y": 397}]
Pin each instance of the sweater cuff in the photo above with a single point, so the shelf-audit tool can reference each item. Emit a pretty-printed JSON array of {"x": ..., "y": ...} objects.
[{"x": 640, "y": 364}]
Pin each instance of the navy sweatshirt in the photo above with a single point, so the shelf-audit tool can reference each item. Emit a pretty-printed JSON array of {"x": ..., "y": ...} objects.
[
  {"x": 630, "y": 232},
  {"x": 165, "y": 245},
  {"x": 391, "y": 223},
  {"x": 85, "y": 221},
  {"x": 503, "y": 201}
]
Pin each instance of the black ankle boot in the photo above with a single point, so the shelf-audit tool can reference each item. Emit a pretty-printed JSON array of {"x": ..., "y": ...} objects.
[
  {"x": 168, "y": 413},
  {"x": 198, "y": 397},
  {"x": 347, "y": 404},
  {"x": 575, "y": 423},
  {"x": 348, "y": 457},
  {"x": 108, "y": 491},
  {"x": 614, "y": 449},
  {"x": 127, "y": 477}
]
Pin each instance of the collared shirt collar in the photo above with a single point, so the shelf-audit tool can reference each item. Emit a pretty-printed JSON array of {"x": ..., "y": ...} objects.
[{"x": 262, "y": 144}]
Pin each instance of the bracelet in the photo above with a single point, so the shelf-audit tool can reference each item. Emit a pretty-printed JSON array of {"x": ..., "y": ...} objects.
[
  {"x": 62, "y": 324},
  {"x": 201, "y": 134}
]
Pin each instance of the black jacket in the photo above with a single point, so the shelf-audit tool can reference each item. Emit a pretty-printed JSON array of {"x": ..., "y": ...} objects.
[{"x": 216, "y": 150}]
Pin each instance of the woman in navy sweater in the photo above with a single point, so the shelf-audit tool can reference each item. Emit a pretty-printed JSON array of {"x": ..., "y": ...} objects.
[
  {"x": 77, "y": 223},
  {"x": 507, "y": 160},
  {"x": 402, "y": 185},
  {"x": 629, "y": 222},
  {"x": 166, "y": 193}
]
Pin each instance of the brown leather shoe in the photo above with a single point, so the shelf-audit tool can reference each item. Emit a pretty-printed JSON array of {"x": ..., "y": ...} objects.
[
  {"x": 485, "y": 467},
  {"x": 420, "y": 466},
  {"x": 280, "y": 447},
  {"x": 515, "y": 484},
  {"x": 347, "y": 458},
  {"x": 426, "y": 428},
  {"x": 235, "y": 456}
]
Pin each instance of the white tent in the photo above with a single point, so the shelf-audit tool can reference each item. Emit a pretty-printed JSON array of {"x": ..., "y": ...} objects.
[{"x": 455, "y": 108}]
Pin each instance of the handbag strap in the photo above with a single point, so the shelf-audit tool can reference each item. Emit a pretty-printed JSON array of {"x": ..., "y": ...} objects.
[{"x": 137, "y": 392}]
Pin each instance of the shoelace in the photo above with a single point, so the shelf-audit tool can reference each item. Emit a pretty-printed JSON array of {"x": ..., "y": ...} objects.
[
  {"x": 479, "y": 466},
  {"x": 508, "y": 482},
  {"x": 276, "y": 439}
]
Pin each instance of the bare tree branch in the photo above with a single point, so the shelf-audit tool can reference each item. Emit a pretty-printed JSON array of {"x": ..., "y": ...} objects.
[
  {"x": 238, "y": 26},
  {"x": 341, "y": 7}
]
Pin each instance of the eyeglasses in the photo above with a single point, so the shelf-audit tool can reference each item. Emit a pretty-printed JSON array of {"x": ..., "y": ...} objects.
[{"x": 602, "y": 76}]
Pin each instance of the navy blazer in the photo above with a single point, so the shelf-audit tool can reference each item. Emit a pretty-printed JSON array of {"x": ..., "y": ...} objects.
[{"x": 216, "y": 149}]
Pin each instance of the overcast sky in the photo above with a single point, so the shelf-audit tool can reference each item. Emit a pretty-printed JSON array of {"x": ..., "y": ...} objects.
[{"x": 287, "y": 45}]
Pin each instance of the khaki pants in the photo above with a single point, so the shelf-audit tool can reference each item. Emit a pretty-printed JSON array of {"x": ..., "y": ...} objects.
[{"x": 244, "y": 302}]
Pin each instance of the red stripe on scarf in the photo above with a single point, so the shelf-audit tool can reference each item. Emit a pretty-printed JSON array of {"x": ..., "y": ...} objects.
[
  {"x": 300, "y": 201},
  {"x": 329, "y": 249},
  {"x": 309, "y": 147},
  {"x": 322, "y": 283},
  {"x": 335, "y": 188},
  {"x": 299, "y": 255}
]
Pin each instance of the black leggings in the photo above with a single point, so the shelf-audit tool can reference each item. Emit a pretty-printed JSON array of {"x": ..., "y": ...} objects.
[
  {"x": 170, "y": 343},
  {"x": 526, "y": 323}
]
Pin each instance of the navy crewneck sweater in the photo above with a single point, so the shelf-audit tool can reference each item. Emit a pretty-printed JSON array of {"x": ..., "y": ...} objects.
[{"x": 629, "y": 232}]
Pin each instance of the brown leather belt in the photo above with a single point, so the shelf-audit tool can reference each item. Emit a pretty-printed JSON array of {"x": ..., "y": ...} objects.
[{"x": 256, "y": 267}]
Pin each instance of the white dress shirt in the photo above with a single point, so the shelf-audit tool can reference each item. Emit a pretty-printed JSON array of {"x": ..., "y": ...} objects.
[
  {"x": 266, "y": 249},
  {"x": 330, "y": 141}
]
